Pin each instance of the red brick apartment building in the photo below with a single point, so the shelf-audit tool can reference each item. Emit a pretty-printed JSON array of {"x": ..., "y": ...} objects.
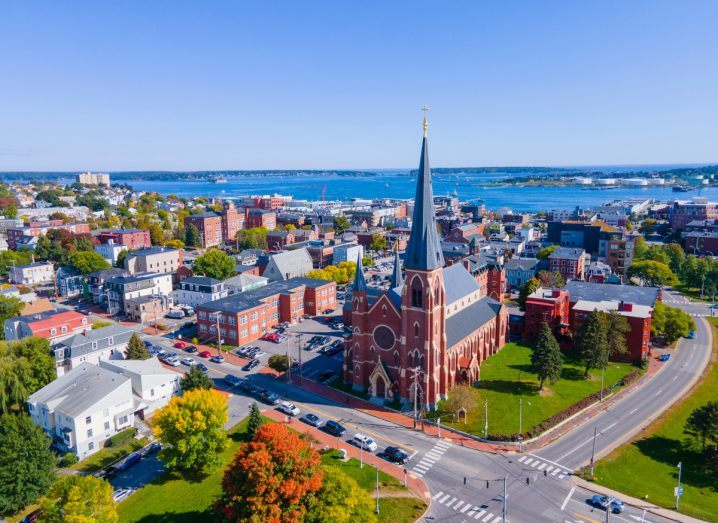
[
  {"x": 15, "y": 234},
  {"x": 133, "y": 239},
  {"x": 261, "y": 218},
  {"x": 570, "y": 262},
  {"x": 546, "y": 306},
  {"x": 209, "y": 225},
  {"x": 682, "y": 213},
  {"x": 247, "y": 316}
]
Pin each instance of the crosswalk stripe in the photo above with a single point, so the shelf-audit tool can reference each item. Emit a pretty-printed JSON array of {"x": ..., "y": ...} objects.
[
  {"x": 522, "y": 459},
  {"x": 543, "y": 465},
  {"x": 548, "y": 469},
  {"x": 427, "y": 460},
  {"x": 438, "y": 495},
  {"x": 479, "y": 514},
  {"x": 443, "y": 444},
  {"x": 421, "y": 468},
  {"x": 433, "y": 455},
  {"x": 488, "y": 517},
  {"x": 561, "y": 476},
  {"x": 417, "y": 473},
  {"x": 458, "y": 504},
  {"x": 497, "y": 520},
  {"x": 450, "y": 502},
  {"x": 466, "y": 507},
  {"x": 444, "y": 498},
  {"x": 556, "y": 471},
  {"x": 535, "y": 464},
  {"x": 528, "y": 461}
]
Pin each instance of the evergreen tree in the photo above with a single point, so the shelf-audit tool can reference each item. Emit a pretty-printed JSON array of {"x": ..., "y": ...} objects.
[
  {"x": 527, "y": 289},
  {"x": 617, "y": 328},
  {"x": 255, "y": 420},
  {"x": 27, "y": 465},
  {"x": 703, "y": 423},
  {"x": 196, "y": 379},
  {"x": 192, "y": 236},
  {"x": 546, "y": 359},
  {"x": 593, "y": 343},
  {"x": 137, "y": 350}
]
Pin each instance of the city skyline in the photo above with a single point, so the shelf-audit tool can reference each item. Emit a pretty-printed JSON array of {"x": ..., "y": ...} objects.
[{"x": 106, "y": 87}]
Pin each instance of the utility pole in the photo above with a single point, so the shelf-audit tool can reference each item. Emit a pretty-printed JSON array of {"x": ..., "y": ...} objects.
[
  {"x": 377, "y": 488},
  {"x": 503, "y": 508},
  {"x": 593, "y": 449},
  {"x": 299, "y": 347},
  {"x": 219, "y": 338},
  {"x": 486, "y": 418},
  {"x": 679, "y": 489},
  {"x": 521, "y": 410},
  {"x": 416, "y": 391}
]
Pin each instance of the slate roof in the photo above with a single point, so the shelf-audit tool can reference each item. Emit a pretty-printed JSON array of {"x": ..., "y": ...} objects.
[
  {"x": 288, "y": 262},
  {"x": 424, "y": 249},
  {"x": 79, "y": 389},
  {"x": 149, "y": 251},
  {"x": 397, "y": 278},
  {"x": 566, "y": 253},
  {"x": 522, "y": 264},
  {"x": 81, "y": 344},
  {"x": 203, "y": 215},
  {"x": 201, "y": 280},
  {"x": 581, "y": 290},
  {"x": 468, "y": 320},
  {"x": 458, "y": 283},
  {"x": 359, "y": 281}
]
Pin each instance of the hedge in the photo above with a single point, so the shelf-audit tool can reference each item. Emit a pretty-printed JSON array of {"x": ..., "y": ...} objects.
[{"x": 121, "y": 437}]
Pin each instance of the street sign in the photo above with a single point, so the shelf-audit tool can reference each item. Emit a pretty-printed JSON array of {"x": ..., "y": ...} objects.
[{"x": 678, "y": 491}]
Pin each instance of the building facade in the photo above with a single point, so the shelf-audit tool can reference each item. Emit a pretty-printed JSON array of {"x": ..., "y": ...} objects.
[
  {"x": 32, "y": 273},
  {"x": 130, "y": 239},
  {"x": 196, "y": 290}
]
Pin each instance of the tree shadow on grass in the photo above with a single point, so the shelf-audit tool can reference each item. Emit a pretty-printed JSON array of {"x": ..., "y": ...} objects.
[
  {"x": 510, "y": 387},
  {"x": 572, "y": 374},
  {"x": 194, "y": 516},
  {"x": 523, "y": 367},
  {"x": 671, "y": 452}
]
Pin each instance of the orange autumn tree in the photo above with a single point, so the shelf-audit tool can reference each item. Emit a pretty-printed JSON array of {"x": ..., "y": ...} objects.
[{"x": 272, "y": 479}]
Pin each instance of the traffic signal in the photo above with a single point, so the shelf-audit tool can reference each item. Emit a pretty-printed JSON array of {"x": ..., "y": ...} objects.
[
  {"x": 464, "y": 480},
  {"x": 545, "y": 473},
  {"x": 487, "y": 483},
  {"x": 527, "y": 481}
]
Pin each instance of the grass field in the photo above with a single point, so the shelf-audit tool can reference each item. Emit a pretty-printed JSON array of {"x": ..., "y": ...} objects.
[
  {"x": 506, "y": 378},
  {"x": 180, "y": 498},
  {"x": 647, "y": 466},
  {"x": 107, "y": 456}
]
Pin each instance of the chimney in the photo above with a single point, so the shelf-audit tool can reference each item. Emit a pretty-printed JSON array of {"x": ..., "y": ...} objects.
[{"x": 555, "y": 293}]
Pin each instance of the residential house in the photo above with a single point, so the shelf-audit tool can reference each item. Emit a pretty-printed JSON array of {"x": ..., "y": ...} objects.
[
  {"x": 520, "y": 270},
  {"x": 110, "y": 251},
  {"x": 288, "y": 264},
  {"x": 52, "y": 325},
  {"x": 346, "y": 252},
  {"x": 146, "y": 308},
  {"x": 162, "y": 260},
  {"x": 15, "y": 234},
  {"x": 123, "y": 288},
  {"x": 245, "y": 282},
  {"x": 130, "y": 239},
  {"x": 570, "y": 262},
  {"x": 96, "y": 283},
  {"x": 91, "y": 346},
  {"x": 196, "y": 290},
  {"x": 32, "y": 273},
  {"x": 70, "y": 283}
]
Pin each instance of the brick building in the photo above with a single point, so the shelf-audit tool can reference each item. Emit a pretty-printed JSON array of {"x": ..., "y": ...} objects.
[
  {"x": 698, "y": 209},
  {"x": 569, "y": 262},
  {"x": 15, "y": 234},
  {"x": 131, "y": 239},
  {"x": 261, "y": 218},
  {"x": 209, "y": 225},
  {"x": 546, "y": 306}
]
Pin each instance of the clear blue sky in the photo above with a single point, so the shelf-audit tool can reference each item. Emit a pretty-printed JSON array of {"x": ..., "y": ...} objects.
[{"x": 299, "y": 84}]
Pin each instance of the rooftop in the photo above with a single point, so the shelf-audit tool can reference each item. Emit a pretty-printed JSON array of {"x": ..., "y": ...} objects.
[{"x": 581, "y": 290}]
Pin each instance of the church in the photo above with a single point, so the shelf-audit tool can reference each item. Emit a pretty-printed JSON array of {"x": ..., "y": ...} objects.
[{"x": 434, "y": 325}]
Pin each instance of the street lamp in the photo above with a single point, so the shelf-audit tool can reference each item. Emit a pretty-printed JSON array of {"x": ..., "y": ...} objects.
[{"x": 679, "y": 489}]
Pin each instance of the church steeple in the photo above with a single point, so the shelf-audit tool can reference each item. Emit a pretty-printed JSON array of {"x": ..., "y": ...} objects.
[
  {"x": 397, "y": 280},
  {"x": 424, "y": 250},
  {"x": 359, "y": 281}
]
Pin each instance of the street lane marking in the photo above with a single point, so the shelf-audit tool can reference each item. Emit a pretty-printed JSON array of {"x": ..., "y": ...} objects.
[
  {"x": 561, "y": 476},
  {"x": 634, "y": 410},
  {"x": 589, "y": 440},
  {"x": 659, "y": 391},
  {"x": 549, "y": 468},
  {"x": 438, "y": 495},
  {"x": 555, "y": 472},
  {"x": 522, "y": 459},
  {"x": 497, "y": 520},
  {"x": 535, "y": 464},
  {"x": 450, "y": 502},
  {"x": 422, "y": 468},
  {"x": 552, "y": 462},
  {"x": 565, "y": 501},
  {"x": 479, "y": 514},
  {"x": 429, "y": 460},
  {"x": 675, "y": 378},
  {"x": 433, "y": 455},
  {"x": 585, "y": 518},
  {"x": 443, "y": 443},
  {"x": 444, "y": 498}
]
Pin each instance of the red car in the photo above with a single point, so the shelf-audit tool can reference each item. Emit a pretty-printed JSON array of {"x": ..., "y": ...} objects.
[
  {"x": 205, "y": 354},
  {"x": 179, "y": 345}
]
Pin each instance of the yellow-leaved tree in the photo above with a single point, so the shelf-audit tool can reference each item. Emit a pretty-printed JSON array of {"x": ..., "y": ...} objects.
[{"x": 191, "y": 428}]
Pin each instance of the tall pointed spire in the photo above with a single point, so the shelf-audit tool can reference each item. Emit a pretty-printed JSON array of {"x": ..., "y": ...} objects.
[
  {"x": 424, "y": 250},
  {"x": 359, "y": 281},
  {"x": 397, "y": 280}
]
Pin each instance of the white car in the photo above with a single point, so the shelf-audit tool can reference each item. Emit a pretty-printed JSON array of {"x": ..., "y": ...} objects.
[
  {"x": 289, "y": 408},
  {"x": 172, "y": 362},
  {"x": 189, "y": 361},
  {"x": 365, "y": 442},
  {"x": 122, "y": 493}
]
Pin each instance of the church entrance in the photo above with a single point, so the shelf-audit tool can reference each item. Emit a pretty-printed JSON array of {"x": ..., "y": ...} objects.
[{"x": 380, "y": 387}]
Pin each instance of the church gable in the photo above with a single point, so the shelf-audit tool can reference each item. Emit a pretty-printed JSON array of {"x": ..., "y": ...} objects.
[{"x": 383, "y": 305}]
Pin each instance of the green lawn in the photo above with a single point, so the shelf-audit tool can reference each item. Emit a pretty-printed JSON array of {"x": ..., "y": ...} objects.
[
  {"x": 658, "y": 450},
  {"x": 506, "y": 378},
  {"x": 339, "y": 384},
  {"x": 108, "y": 455},
  {"x": 179, "y": 498}
]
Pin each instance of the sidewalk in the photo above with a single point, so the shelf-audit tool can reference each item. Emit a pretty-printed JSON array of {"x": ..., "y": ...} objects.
[
  {"x": 638, "y": 503},
  {"x": 414, "y": 484}
]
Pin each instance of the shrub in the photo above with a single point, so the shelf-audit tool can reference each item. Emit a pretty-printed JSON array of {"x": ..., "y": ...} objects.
[
  {"x": 121, "y": 437},
  {"x": 67, "y": 460}
]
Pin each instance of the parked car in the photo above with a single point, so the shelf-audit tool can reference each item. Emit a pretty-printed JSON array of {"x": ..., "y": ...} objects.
[
  {"x": 191, "y": 349},
  {"x": 188, "y": 361},
  {"x": 311, "y": 419},
  {"x": 249, "y": 366},
  {"x": 122, "y": 493},
  {"x": 175, "y": 314},
  {"x": 395, "y": 455},
  {"x": 365, "y": 442},
  {"x": 202, "y": 367},
  {"x": 335, "y": 428},
  {"x": 232, "y": 380},
  {"x": 269, "y": 397},
  {"x": 173, "y": 361},
  {"x": 179, "y": 345},
  {"x": 205, "y": 354},
  {"x": 289, "y": 408},
  {"x": 217, "y": 358},
  {"x": 664, "y": 357}
]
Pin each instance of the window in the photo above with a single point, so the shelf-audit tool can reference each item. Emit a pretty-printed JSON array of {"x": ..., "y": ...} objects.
[
  {"x": 107, "y": 425},
  {"x": 255, "y": 315},
  {"x": 63, "y": 328},
  {"x": 88, "y": 420},
  {"x": 94, "y": 345},
  {"x": 89, "y": 433},
  {"x": 255, "y": 329},
  {"x": 111, "y": 340},
  {"x": 416, "y": 330},
  {"x": 53, "y": 332},
  {"x": 416, "y": 293},
  {"x": 244, "y": 333},
  {"x": 122, "y": 420},
  {"x": 243, "y": 319},
  {"x": 152, "y": 392},
  {"x": 91, "y": 445}
]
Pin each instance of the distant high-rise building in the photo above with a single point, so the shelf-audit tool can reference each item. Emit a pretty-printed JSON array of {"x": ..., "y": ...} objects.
[{"x": 93, "y": 179}]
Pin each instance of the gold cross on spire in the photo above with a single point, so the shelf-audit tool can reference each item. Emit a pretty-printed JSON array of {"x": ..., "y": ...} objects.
[{"x": 426, "y": 123}]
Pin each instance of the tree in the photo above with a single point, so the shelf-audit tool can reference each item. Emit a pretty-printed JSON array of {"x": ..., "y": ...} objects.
[
  {"x": 702, "y": 423},
  {"x": 191, "y": 427},
  {"x": 27, "y": 465},
  {"x": 341, "y": 224},
  {"x": 86, "y": 262},
  {"x": 341, "y": 500},
  {"x": 378, "y": 242},
  {"x": 136, "y": 349},
  {"x": 278, "y": 362},
  {"x": 175, "y": 244},
  {"x": 79, "y": 499},
  {"x": 10, "y": 210},
  {"x": 367, "y": 261},
  {"x": 462, "y": 397},
  {"x": 157, "y": 235},
  {"x": 544, "y": 253},
  {"x": 546, "y": 358},
  {"x": 9, "y": 258},
  {"x": 191, "y": 236},
  {"x": 121, "y": 258},
  {"x": 653, "y": 273},
  {"x": 84, "y": 243},
  {"x": 550, "y": 279},
  {"x": 670, "y": 322},
  {"x": 593, "y": 343},
  {"x": 255, "y": 420},
  {"x": 272, "y": 478},
  {"x": 196, "y": 379},
  {"x": 639, "y": 248},
  {"x": 25, "y": 366},
  {"x": 10, "y": 307},
  {"x": 617, "y": 329},
  {"x": 254, "y": 238},
  {"x": 215, "y": 264},
  {"x": 528, "y": 288}
]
